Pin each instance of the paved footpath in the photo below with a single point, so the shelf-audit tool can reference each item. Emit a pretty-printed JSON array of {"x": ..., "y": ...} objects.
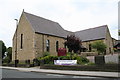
[{"x": 68, "y": 72}]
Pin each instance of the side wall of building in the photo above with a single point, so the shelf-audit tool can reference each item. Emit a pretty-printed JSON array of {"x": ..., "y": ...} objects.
[
  {"x": 40, "y": 44},
  {"x": 109, "y": 43},
  {"x": 114, "y": 41},
  {"x": 25, "y": 41},
  {"x": 86, "y": 44}
]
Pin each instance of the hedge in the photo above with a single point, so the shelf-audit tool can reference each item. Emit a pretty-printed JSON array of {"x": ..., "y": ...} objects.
[
  {"x": 107, "y": 67},
  {"x": 19, "y": 65},
  {"x": 25, "y": 63},
  {"x": 50, "y": 59}
]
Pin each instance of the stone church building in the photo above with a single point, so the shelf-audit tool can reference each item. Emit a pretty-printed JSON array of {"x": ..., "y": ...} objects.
[{"x": 35, "y": 35}]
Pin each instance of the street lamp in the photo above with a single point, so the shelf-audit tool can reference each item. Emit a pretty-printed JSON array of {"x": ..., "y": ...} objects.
[{"x": 16, "y": 43}]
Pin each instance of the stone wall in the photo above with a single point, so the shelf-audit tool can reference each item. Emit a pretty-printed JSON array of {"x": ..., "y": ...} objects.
[
  {"x": 112, "y": 58},
  {"x": 34, "y": 44},
  {"x": 108, "y": 41},
  {"x": 108, "y": 58},
  {"x": 27, "y": 51},
  {"x": 89, "y": 53},
  {"x": 40, "y": 44}
]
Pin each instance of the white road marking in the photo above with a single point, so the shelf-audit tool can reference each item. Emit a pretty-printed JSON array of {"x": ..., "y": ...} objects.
[
  {"x": 54, "y": 75},
  {"x": 82, "y": 77}
]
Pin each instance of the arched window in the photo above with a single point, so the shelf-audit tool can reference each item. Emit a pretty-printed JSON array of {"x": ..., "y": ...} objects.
[
  {"x": 47, "y": 45},
  {"x": 21, "y": 41},
  {"x": 57, "y": 45}
]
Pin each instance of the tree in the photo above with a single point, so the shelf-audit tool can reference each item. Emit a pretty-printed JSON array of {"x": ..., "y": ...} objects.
[
  {"x": 99, "y": 46},
  {"x": 9, "y": 53},
  {"x": 3, "y": 47},
  {"x": 8, "y": 58},
  {"x": 73, "y": 43}
]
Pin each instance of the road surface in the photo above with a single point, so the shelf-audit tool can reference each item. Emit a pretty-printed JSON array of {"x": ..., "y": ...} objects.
[{"x": 7, "y": 73}]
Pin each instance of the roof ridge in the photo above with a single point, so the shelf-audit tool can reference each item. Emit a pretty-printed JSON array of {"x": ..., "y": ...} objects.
[
  {"x": 92, "y": 28},
  {"x": 40, "y": 17},
  {"x": 44, "y": 19},
  {"x": 49, "y": 25}
]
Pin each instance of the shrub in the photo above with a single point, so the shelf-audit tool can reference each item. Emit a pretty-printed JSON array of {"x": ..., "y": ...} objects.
[
  {"x": 84, "y": 60},
  {"x": 90, "y": 63},
  {"x": 6, "y": 60},
  {"x": 100, "y": 46},
  {"x": 80, "y": 59},
  {"x": 50, "y": 59},
  {"x": 105, "y": 68},
  {"x": 65, "y": 57},
  {"x": 46, "y": 54},
  {"x": 12, "y": 62},
  {"x": 36, "y": 62}
]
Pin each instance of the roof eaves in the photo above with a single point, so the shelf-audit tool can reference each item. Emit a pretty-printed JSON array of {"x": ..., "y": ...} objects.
[
  {"x": 92, "y": 39},
  {"x": 51, "y": 35}
]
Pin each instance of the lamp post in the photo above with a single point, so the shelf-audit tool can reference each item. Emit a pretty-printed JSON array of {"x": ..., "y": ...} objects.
[{"x": 16, "y": 43}]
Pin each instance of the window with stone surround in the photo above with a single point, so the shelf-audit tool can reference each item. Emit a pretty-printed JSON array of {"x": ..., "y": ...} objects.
[
  {"x": 47, "y": 45},
  {"x": 57, "y": 46},
  {"x": 21, "y": 41}
]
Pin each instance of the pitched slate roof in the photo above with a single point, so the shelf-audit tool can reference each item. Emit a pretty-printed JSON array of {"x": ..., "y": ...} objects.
[
  {"x": 45, "y": 26},
  {"x": 69, "y": 32},
  {"x": 92, "y": 33}
]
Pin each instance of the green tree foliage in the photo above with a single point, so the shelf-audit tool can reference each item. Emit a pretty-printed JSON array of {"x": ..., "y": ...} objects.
[
  {"x": 99, "y": 46},
  {"x": 8, "y": 58},
  {"x": 73, "y": 43},
  {"x": 46, "y": 54},
  {"x": 50, "y": 59},
  {"x": 3, "y": 47},
  {"x": 9, "y": 54}
]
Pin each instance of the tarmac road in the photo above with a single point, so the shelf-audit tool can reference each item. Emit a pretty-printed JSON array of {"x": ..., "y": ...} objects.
[{"x": 9, "y": 73}]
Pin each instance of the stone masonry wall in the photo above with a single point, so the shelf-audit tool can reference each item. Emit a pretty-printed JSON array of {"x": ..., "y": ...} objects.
[
  {"x": 40, "y": 44},
  {"x": 27, "y": 52}
]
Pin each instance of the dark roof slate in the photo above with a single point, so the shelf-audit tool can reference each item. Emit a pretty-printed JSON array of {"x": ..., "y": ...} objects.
[
  {"x": 92, "y": 33},
  {"x": 45, "y": 26}
]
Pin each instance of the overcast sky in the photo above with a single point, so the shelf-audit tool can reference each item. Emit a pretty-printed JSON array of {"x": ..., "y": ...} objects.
[{"x": 72, "y": 15}]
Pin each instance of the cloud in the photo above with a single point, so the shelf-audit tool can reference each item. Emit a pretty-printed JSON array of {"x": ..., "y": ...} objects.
[{"x": 72, "y": 15}]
